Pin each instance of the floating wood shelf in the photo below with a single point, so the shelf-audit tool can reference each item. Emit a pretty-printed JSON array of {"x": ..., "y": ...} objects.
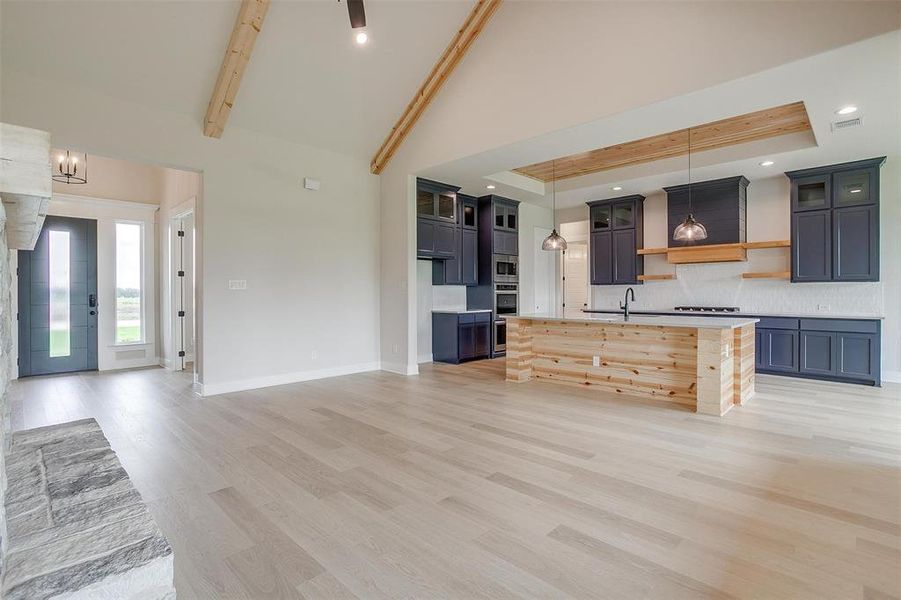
[
  {"x": 656, "y": 277},
  {"x": 770, "y": 244},
  {"x": 712, "y": 253},
  {"x": 767, "y": 275}
]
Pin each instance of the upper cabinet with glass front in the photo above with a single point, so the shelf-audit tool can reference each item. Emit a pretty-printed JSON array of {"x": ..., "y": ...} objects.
[
  {"x": 436, "y": 200},
  {"x": 835, "y": 222},
  {"x": 506, "y": 213},
  {"x": 835, "y": 186}
]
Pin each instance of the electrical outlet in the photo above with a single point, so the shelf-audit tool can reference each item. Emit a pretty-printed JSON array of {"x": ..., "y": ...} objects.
[
  {"x": 395, "y": 349},
  {"x": 822, "y": 307},
  {"x": 314, "y": 354},
  {"x": 237, "y": 284},
  {"x": 596, "y": 361}
]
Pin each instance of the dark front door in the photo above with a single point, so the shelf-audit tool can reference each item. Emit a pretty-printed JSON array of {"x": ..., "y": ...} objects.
[{"x": 57, "y": 299}]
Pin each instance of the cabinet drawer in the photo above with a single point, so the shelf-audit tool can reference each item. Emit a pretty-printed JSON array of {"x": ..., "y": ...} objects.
[
  {"x": 484, "y": 317},
  {"x": 841, "y": 325},
  {"x": 777, "y": 323},
  {"x": 466, "y": 318}
]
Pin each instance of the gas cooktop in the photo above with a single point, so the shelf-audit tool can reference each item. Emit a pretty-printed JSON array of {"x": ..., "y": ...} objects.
[{"x": 723, "y": 309}]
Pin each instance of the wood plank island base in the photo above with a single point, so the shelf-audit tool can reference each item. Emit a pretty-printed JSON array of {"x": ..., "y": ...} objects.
[{"x": 701, "y": 362}]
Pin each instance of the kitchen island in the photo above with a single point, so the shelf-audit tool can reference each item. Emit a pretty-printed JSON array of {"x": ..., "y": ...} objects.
[{"x": 704, "y": 363}]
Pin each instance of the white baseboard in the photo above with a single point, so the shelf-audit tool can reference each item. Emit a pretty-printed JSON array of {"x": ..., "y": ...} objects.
[
  {"x": 137, "y": 363},
  {"x": 891, "y": 376},
  {"x": 213, "y": 389},
  {"x": 425, "y": 358},
  {"x": 400, "y": 368}
]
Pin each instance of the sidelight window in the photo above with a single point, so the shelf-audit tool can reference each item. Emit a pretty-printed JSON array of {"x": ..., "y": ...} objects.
[
  {"x": 129, "y": 289},
  {"x": 60, "y": 293}
]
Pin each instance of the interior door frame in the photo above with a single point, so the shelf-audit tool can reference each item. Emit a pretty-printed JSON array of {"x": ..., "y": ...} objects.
[{"x": 176, "y": 342}]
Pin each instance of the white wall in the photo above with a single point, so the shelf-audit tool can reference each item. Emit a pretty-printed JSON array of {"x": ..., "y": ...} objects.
[
  {"x": 311, "y": 259},
  {"x": 682, "y": 49},
  {"x": 122, "y": 180},
  {"x": 530, "y": 217}
]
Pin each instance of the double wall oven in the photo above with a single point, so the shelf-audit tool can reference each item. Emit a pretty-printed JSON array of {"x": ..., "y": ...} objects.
[{"x": 506, "y": 297}]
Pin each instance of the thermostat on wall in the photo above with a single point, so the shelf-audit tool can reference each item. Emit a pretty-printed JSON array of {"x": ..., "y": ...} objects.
[{"x": 310, "y": 183}]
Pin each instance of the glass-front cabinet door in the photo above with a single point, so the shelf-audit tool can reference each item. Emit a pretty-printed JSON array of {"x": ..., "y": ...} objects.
[
  {"x": 447, "y": 206},
  {"x": 623, "y": 215},
  {"x": 850, "y": 188},
  {"x": 600, "y": 217},
  {"x": 811, "y": 193}
]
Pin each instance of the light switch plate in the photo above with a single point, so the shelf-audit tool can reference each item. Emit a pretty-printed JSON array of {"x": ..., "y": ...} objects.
[
  {"x": 237, "y": 284},
  {"x": 310, "y": 183}
]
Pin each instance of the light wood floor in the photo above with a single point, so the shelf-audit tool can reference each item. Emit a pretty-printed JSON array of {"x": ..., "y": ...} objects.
[{"x": 455, "y": 484}]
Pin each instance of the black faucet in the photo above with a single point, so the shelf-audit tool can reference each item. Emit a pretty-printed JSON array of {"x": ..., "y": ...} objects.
[{"x": 625, "y": 307}]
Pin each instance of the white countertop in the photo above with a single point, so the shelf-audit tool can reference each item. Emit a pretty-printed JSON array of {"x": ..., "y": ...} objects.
[
  {"x": 645, "y": 320},
  {"x": 459, "y": 311},
  {"x": 743, "y": 313}
]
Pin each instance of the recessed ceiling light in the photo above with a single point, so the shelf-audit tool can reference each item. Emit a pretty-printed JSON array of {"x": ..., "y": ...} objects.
[
  {"x": 617, "y": 188},
  {"x": 846, "y": 110},
  {"x": 489, "y": 186},
  {"x": 767, "y": 163},
  {"x": 361, "y": 38}
]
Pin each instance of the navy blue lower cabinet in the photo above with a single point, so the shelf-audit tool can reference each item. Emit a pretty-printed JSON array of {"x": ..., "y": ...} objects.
[
  {"x": 857, "y": 356},
  {"x": 758, "y": 349},
  {"x": 818, "y": 354},
  {"x": 780, "y": 350},
  {"x": 457, "y": 337}
]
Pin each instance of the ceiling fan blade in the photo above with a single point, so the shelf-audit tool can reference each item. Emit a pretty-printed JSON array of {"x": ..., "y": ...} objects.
[{"x": 357, "y": 14}]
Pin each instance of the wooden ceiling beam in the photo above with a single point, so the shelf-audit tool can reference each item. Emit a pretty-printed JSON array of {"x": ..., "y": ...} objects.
[
  {"x": 759, "y": 125},
  {"x": 453, "y": 54},
  {"x": 237, "y": 55}
]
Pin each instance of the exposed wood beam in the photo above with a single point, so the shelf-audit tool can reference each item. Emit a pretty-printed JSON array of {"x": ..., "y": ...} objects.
[
  {"x": 453, "y": 54},
  {"x": 237, "y": 55},
  {"x": 759, "y": 125}
]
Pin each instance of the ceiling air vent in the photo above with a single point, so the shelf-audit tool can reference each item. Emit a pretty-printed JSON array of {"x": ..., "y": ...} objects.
[{"x": 847, "y": 123}]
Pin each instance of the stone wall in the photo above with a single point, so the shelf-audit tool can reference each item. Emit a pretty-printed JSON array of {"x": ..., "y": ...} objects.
[{"x": 6, "y": 344}]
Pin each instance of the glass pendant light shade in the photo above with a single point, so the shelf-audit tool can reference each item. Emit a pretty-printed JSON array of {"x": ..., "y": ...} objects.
[
  {"x": 689, "y": 230},
  {"x": 553, "y": 242}
]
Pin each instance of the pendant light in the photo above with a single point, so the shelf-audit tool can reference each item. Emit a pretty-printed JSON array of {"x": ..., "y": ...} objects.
[
  {"x": 689, "y": 230},
  {"x": 67, "y": 167},
  {"x": 554, "y": 241}
]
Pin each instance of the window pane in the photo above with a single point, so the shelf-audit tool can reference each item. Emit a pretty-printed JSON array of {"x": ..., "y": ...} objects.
[
  {"x": 128, "y": 283},
  {"x": 59, "y": 294}
]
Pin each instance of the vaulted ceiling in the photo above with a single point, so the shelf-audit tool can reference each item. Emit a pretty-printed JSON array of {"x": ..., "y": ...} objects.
[{"x": 308, "y": 81}]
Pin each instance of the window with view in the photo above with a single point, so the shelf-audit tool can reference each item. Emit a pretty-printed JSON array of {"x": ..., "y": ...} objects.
[{"x": 129, "y": 313}]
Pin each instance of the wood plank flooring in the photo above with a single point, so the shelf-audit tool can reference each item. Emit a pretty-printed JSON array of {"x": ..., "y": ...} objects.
[{"x": 456, "y": 484}]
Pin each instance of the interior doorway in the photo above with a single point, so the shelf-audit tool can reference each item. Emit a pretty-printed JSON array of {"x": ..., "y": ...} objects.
[
  {"x": 182, "y": 253},
  {"x": 575, "y": 278}
]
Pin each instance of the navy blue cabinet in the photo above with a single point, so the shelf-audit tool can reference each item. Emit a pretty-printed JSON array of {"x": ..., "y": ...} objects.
[
  {"x": 457, "y": 337},
  {"x": 855, "y": 243},
  {"x": 857, "y": 356},
  {"x": 818, "y": 353},
  {"x": 780, "y": 350},
  {"x": 451, "y": 245},
  {"x": 506, "y": 242},
  {"x": 601, "y": 251},
  {"x": 833, "y": 349},
  {"x": 811, "y": 246},
  {"x": 617, "y": 232},
  {"x": 835, "y": 222},
  {"x": 469, "y": 258}
]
